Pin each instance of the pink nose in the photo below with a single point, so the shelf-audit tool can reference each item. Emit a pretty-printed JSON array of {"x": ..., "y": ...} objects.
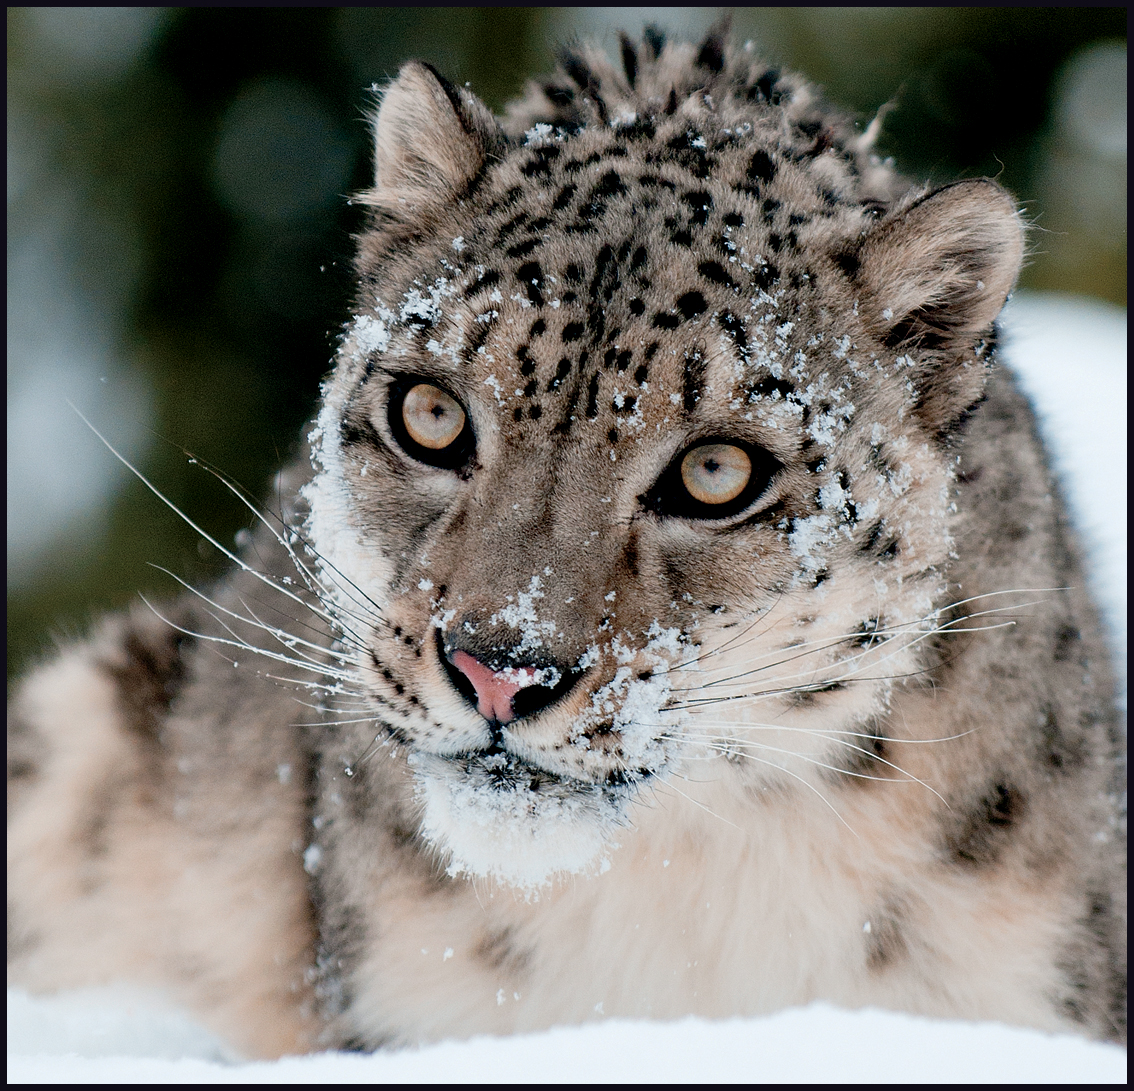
[{"x": 494, "y": 689}]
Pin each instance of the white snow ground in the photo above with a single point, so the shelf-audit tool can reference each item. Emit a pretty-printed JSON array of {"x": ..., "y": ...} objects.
[{"x": 1071, "y": 356}]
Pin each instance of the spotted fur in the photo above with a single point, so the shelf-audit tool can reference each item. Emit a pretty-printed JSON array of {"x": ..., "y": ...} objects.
[{"x": 858, "y": 734}]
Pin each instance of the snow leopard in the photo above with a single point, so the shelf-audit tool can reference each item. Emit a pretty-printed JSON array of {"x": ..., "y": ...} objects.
[{"x": 672, "y": 612}]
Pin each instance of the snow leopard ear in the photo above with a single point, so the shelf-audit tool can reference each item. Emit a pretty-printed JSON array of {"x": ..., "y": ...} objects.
[
  {"x": 935, "y": 276},
  {"x": 431, "y": 140}
]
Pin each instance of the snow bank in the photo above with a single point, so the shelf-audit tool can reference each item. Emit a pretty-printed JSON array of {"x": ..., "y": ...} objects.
[
  {"x": 1071, "y": 356},
  {"x": 818, "y": 1044}
]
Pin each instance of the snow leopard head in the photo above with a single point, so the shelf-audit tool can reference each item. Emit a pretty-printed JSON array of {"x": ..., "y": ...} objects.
[{"x": 642, "y": 426}]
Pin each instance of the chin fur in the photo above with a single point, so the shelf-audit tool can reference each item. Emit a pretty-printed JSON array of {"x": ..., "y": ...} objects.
[{"x": 493, "y": 816}]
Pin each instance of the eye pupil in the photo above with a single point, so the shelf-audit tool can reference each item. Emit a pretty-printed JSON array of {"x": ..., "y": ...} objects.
[
  {"x": 716, "y": 473},
  {"x": 432, "y": 418}
]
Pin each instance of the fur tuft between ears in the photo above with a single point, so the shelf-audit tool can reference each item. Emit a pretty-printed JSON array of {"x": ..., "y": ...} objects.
[
  {"x": 935, "y": 276},
  {"x": 431, "y": 141}
]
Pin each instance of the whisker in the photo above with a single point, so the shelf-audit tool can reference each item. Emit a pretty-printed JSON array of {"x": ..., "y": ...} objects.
[
  {"x": 312, "y": 579},
  {"x": 910, "y": 778},
  {"x": 243, "y": 645}
]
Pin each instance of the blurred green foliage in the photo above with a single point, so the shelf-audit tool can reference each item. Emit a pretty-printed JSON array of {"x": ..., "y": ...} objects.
[{"x": 240, "y": 282}]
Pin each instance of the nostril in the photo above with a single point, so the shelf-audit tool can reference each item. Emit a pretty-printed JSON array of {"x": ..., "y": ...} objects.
[
  {"x": 533, "y": 699},
  {"x": 461, "y": 682}
]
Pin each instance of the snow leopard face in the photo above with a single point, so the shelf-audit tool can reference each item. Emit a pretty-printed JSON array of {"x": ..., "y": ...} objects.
[{"x": 639, "y": 438}]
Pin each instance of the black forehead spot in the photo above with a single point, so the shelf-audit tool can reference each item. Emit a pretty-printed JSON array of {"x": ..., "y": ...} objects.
[
  {"x": 700, "y": 203},
  {"x": 691, "y": 304},
  {"x": 735, "y": 329},
  {"x": 522, "y": 249},
  {"x": 609, "y": 185},
  {"x": 486, "y": 280},
  {"x": 563, "y": 198},
  {"x": 592, "y": 397},
  {"x": 761, "y": 168},
  {"x": 692, "y": 381},
  {"x": 529, "y": 275},
  {"x": 509, "y": 226},
  {"x": 562, "y": 370},
  {"x": 715, "y": 272},
  {"x": 539, "y": 165}
]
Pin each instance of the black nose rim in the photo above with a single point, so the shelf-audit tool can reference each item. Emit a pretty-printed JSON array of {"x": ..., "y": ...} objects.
[
  {"x": 533, "y": 699},
  {"x": 527, "y": 701}
]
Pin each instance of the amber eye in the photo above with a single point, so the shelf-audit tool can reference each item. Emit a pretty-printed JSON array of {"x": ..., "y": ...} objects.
[
  {"x": 429, "y": 424},
  {"x": 432, "y": 418},
  {"x": 714, "y": 479},
  {"x": 716, "y": 473}
]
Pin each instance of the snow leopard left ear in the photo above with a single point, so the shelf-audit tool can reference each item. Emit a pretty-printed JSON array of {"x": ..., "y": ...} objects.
[
  {"x": 431, "y": 140},
  {"x": 935, "y": 276}
]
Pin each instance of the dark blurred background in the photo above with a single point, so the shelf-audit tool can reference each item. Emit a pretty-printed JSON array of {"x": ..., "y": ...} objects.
[{"x": 179, "y": 238}]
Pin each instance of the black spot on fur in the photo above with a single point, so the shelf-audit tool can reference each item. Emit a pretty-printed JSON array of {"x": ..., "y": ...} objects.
[
  {"x": 711, "y": 54},
  {"x": 478, "y": 337},
  {"x": 984, "y": 827},
  {"x": 691, "y": 304},
  {"x": 692, "y": 381},
  {"x": 769, "y": 386},
  {"x": 558, "y": 96},
  {"x": 735, "y": 329},
  {"x": 847, "y": 261},
  {"x": 529, "y": 275},
  {"x": 562, "y": 370},
  {"x": 700, "y": 203},
  {"x": 523, "y": 249},
  {"x": 766, "y": 276},
  {"x": 149, "y": 676},
  {"x": 1061, "y": 750},
  {"x": 629, "y": 58},
  {"x": 761, "y": 168},
  {"x": 765, "y": 89},
  {"x": 654, "y": 38},
  {"x": 563, "y": 199},
  {"x": 641, "y": 374},
  {"x": 666, "y": 321},
  {"x": 511, "y": 225},
  {"x": 357, "y": 431},
  {"x": 885, "y": 943},
  {"x": 539, "y": 165},
  {"x": 715, "y": 272},
  {"x": 609, "y": 185},
  {"x": 572, "y": 332},
  {"x": 486, "y": 280},
  {"x": 734, "y": 219},
  {"x": 592, "y": 397}
]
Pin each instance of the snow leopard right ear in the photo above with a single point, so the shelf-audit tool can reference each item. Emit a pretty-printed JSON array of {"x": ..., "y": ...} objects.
[
  {"x": 431, "y": 140},
  {"x": 936, "y": 274}
]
